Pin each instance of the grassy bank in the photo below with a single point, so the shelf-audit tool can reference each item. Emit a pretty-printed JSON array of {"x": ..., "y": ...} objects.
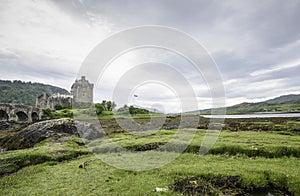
[
  {"x": 238, "y": 163},
  {"x": 99, "y": 178},
  {"x": 53, "y": 150}
]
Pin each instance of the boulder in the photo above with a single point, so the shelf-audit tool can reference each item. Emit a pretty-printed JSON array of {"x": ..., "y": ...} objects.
[{"x": 39, "y": 131}]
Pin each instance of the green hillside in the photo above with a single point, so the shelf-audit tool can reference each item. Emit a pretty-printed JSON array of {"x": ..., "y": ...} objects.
[
  {"x": 285, "y": 99},
  {"x": 285, "y": 103},
  {"x": 19, "y": 92}
]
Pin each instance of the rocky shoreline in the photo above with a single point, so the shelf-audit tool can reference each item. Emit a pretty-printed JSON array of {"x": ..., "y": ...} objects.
[{"x": 20, "y": 136}]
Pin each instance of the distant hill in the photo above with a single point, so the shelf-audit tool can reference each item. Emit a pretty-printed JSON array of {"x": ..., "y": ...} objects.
[
  {"x": 150, "y": 109},
  {"x": 292, "y": 99},
  {"x": 285, "y": 103},
  {"x": 19, "y": 92}
]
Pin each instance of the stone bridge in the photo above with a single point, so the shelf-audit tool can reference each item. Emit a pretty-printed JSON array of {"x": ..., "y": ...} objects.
[{"x": 10, "y": 112}]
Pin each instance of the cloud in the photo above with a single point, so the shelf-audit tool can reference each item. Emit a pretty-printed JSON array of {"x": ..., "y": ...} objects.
[
  {"x": 43, "y": 42},
  {"x": 275, "y": 68},
  {"x": 256, "y": 45}
]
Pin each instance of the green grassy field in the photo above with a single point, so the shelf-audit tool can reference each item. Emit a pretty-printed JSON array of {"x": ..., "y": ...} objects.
[
  {"x": 258, "y": 161},
  {"x": 90, "y": 113}
]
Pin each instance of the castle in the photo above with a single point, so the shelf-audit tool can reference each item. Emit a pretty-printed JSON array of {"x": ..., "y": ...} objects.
[{"x": 81, "y": 93}]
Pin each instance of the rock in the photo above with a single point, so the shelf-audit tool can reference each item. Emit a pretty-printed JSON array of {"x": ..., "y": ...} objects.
[
  {"x": 4, "y": 125},
  {"x": 88, "y": 131},
  {"x": 160, "y": 189},
  {"x": 39, "y": 131}
]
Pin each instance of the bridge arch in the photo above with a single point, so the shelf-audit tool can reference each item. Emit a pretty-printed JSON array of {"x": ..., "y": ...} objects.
[
  {"x": 34, "y": 116},
  {"x": 3, "y": 115},
  {"x": 11, "y": 112},
  {"x": 22, "y": 116}
]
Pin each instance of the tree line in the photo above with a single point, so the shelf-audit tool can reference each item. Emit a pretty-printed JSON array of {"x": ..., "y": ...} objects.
[{"x": 19, "y": 92}]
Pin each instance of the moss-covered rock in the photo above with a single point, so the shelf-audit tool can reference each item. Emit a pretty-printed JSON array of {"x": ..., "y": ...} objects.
[{"x": 39, "y": 131}]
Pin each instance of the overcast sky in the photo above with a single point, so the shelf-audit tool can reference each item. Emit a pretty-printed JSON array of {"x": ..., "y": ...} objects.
[{"x": 255, "y": 44}]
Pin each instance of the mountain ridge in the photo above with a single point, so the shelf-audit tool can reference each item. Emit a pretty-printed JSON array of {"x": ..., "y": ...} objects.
[
  {"x": 20, "y": 92},
  {"x": 283, "y": 103}
]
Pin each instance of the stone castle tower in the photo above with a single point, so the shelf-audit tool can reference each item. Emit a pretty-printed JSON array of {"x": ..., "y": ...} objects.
[{"x": 82, "y": 91}]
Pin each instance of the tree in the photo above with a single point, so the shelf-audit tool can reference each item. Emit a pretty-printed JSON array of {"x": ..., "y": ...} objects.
[
  {"x": 134, "y": 110},
  {"x": 110, "y": 105},
  {"x": 25, "y": 92},
  {"x": 99, "y": 108},
  {"x": 58, "y": 107},
  {"x": 47, "y": 113},
  {"x": 104, "y": 106}
]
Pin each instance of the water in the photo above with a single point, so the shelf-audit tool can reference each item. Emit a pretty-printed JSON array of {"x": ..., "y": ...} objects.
[{"x": 256, "y": 115}]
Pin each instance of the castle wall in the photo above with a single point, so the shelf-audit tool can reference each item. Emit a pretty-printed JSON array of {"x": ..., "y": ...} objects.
[
  {"x": 81, "y": 90},
  {"x": 42, "y": 101},
  {"x": 59, "y": 100}
]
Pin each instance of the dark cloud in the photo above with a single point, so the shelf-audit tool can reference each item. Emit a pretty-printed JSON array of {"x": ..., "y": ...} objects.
[{"x": 243, "y": 37}]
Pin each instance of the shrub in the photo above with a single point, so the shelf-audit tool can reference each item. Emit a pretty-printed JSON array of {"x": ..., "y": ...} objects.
[{"x": 58, "y": 107}]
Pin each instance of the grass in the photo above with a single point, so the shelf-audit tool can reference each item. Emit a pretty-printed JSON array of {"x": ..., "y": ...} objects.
[
  {"x": 259, "y": 160},
  {"x": 90, "y": 113},
  {"x": 283, "y": 125},
  {"x": 51, "y": 150},
  {"x": 251, "y": 144},
  {"x": 99, "y": 178},
  {"x": 85, "y": 114}
]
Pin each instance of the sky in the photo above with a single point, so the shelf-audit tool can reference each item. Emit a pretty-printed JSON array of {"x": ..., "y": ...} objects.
[{"x": 254, "y": 44}]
